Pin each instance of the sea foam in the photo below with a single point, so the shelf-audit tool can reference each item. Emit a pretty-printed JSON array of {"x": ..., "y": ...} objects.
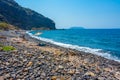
[{"x": 98, "y": 52}]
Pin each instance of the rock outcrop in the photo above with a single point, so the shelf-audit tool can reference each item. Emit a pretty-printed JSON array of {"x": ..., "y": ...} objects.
[{"x": 12, "y": 13}]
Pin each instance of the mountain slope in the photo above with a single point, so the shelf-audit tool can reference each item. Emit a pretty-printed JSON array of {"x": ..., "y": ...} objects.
[
  {"x": 24, "y": 18},
  {"x": 5, "y": 26}
]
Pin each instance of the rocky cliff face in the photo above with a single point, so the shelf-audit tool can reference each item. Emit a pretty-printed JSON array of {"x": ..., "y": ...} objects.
[{"x": 24, "y": 18}]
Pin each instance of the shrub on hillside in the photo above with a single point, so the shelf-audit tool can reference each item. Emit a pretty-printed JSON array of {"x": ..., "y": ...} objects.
[
  {"x": 6, "y": 26},
  {"x": 8, "y": 48}
]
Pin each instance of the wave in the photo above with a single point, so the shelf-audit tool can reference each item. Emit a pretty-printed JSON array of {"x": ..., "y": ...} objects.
[{"x": 98, "y": 52}]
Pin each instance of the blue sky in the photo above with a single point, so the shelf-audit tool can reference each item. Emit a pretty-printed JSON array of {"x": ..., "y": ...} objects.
[{"x": 86, "y": 13}]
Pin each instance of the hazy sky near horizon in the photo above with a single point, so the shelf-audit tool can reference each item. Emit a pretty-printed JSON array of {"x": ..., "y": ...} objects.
[{"x": 86, "y": 13}]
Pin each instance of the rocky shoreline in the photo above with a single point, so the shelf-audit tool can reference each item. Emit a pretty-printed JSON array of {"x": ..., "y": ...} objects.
[{"x": 33, "y": 61}]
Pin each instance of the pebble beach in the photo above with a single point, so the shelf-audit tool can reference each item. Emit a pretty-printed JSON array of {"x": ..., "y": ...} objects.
[{"x": 32, "y": 61}]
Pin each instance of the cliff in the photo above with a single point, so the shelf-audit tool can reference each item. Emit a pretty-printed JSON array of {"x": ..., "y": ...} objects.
[{"x": 24, "y": 18}]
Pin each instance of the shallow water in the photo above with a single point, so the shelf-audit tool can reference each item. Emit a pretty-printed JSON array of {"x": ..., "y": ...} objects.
[{"x": 103, "y": 42}]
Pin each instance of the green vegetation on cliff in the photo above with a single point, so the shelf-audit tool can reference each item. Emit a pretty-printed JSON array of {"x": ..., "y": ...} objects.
[
  {"x": 6, "y": 26},
  {"x": 6, "y": 48}
]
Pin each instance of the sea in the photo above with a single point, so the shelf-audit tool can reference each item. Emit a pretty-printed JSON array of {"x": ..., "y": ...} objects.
[{"x": 101, "y": 42}]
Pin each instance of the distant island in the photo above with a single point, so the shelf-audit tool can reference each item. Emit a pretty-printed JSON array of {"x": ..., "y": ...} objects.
[{"x": 77, "y": 27}]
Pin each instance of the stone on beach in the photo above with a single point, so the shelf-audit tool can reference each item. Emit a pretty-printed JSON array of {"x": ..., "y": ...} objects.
[
  {"x": 90, "y": 74},
  {"x": 29, "y": 54},
  {"x": 71, "y": 71},
  {"x": 54, "y": 78},
  {"x": 57, "y": 78},
  {"x": 30, "y": 64},
  {"x": 7, "y": 76},
  {"x": 107, "y": 69},
  {"x": 72, "y": 53},
  {"x": 42, "y": 44},
  {"x": 60, "y": 67},
  {"x": 117, "y": 75},
  {"x": 1, "y": 78},
  {"x": 57, "y": 52},
  {"x": 3, "y": 37}
]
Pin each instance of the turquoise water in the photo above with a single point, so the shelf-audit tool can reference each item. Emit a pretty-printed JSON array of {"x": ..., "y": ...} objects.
[{"x": 103, "y": 42}]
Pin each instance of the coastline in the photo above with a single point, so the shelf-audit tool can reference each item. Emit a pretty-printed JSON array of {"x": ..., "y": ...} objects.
[
  {"x": 52, "y": 61},
  {"x": 95, "y": 51},
  {"x": 30, "y": 38}
]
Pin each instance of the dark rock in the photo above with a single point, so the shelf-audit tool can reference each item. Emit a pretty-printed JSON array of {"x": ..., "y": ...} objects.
[
  {"x": 41, "y": 44},
  {"x": 26, "y": 19}
]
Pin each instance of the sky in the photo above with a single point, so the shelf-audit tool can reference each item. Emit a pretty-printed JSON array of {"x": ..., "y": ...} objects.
[{"x": 84, "y": 13}]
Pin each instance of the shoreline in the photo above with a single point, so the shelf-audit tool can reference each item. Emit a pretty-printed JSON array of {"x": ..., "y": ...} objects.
[
  {"x": 54, "y": 62},
  {"x": 69, "y": 46},
  {"x": 77, "y": 52}
]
